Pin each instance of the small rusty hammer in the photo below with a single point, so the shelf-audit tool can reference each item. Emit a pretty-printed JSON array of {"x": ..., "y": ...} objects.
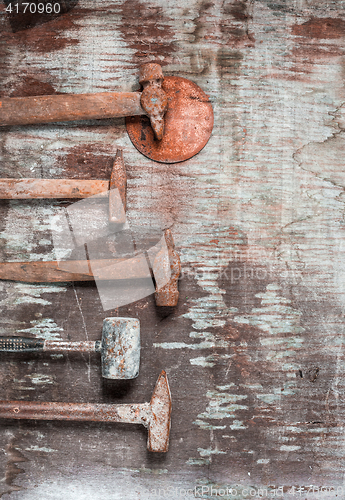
[
  {"x": 152, "y": 101},
  {"x": 14, "y": 189},
  {"x": 52, "y": 271},
  {"x": 154, "y": 415},
  {"x": 119, "y": 347}
]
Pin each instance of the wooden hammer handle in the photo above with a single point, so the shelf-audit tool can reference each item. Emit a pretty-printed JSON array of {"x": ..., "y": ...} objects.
[
  {"x": 11, "y": 189},
  {"x": 68, "y": 107}
]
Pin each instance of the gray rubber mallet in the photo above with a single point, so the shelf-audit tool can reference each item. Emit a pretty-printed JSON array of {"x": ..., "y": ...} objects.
[{"x": 119, "y": 347}]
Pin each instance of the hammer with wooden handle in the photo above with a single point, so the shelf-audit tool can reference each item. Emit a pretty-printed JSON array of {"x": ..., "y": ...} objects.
[
  {"x": 152, "y": 101},
  {"x": 169, "y": 121},
  {"x": 23, "y": 189},
  {"x": 73, "y": 270},
  {"x": 119, "y": 347},
  {"x": 154, "y": 415}
]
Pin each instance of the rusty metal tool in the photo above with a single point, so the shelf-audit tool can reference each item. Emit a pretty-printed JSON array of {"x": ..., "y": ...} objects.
[
  {"x": 154, "y": 415},
  {"x": 188, "y": 123},
  {"x": 13, "y": 189},
  {"x": 152, "y": 102},
  {"x": 119, "y": 347},
  {"x": 50, "y": 271},
  {"x": 169, "y": 121},
  {"x": 167, "y": 294}
]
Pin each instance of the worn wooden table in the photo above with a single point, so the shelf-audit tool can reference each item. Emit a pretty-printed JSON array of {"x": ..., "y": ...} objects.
[{"x": 255, "y": 349}]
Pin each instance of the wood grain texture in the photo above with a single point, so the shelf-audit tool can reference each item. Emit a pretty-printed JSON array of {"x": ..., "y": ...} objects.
[{"x": 254, "y": 350}]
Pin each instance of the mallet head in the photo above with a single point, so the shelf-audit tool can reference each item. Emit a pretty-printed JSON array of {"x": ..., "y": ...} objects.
[{"x": 120, "y": 348}]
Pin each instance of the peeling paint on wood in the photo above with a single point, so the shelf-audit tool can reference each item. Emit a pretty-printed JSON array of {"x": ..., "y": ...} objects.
[{"x": 254, "y": 349}]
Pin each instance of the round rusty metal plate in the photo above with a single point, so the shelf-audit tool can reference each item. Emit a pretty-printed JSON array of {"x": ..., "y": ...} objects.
[{"x": 188, "y": 124}]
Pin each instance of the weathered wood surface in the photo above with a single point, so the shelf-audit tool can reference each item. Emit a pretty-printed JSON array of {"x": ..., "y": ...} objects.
[{"x": 255, "y": 349}]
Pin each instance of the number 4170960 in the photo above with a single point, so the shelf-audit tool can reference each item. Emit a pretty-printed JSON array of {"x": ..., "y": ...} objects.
[{"x": 33, "y": 8}]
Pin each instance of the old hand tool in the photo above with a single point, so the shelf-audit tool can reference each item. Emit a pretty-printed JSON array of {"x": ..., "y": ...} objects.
[
  {"x": 119, "y": 347},
  {"x": 154, "y": 415},
  {"x": 12, "y": 189},
  {"x": 171, "y": 120},
  {"x": 167, "y": 294},
  {"x": 74, "y": 270},
  {"x": 152, "y": 101}
]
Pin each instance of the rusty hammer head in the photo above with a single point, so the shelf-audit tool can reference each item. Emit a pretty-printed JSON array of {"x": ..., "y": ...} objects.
[
  {"x": 159, "y": 423},
  {"x": 120, "y": 348},
  {"x": 153, "y": 99},
  {"x": 117, "y": 190},
  {"x": 167, "y": 268}
]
